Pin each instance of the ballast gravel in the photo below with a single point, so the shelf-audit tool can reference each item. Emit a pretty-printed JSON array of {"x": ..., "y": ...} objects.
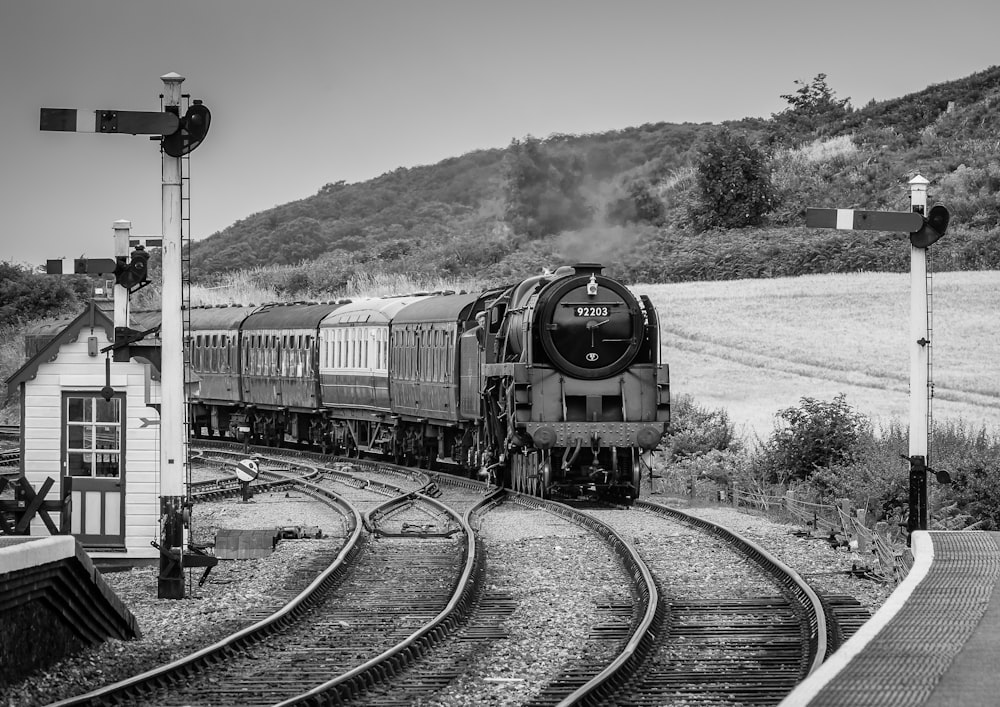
[{"x": 556, "y": 572}]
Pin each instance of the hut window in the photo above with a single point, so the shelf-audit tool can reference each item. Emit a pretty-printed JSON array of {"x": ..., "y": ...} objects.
[{"x": 93, "y": 436}]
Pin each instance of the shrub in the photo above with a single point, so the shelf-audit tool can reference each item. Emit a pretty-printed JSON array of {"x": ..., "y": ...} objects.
[
  {"x": 696, "y": 430},
  {"x": 811, "y": 436},
  {"x": 733, "y": 184}
]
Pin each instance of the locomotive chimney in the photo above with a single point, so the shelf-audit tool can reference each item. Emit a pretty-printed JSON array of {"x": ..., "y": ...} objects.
[{"x": 588, "y": 268}]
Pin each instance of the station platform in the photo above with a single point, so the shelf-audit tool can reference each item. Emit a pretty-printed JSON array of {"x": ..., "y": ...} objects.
[
  {"x": 935, "y": 642},
  {"x": 53, "y": 601}
]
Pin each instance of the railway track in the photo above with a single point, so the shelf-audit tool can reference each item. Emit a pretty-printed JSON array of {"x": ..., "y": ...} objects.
[
  {"x": 330, "y": 569},
  {"x": 406, "y": 613},
  {"x": 746, "y": 635},
  {"x": 400, "y": 593}
]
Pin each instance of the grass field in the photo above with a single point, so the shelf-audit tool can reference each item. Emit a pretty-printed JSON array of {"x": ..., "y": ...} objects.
[{"x": 755, "y": 347}]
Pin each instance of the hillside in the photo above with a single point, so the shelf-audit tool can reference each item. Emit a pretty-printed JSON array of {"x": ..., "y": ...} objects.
[{"x": 632, "y": 197}]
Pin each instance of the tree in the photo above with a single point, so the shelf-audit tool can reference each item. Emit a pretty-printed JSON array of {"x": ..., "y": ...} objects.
[
  {"x": 812, "y": 110},
  {"x": 26, "y": 296},
  {"x": 732, "y": 184}
]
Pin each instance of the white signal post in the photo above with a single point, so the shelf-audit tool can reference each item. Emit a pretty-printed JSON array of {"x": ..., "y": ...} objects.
[
  {"x": 924, "y": 229},
  {"x": 178, "y": 136},
  {"x": 173, "y": 453},
  {"x": 919, "y": 377}
]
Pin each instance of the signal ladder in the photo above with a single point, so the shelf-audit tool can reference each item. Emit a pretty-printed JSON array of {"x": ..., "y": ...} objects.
[
  {"x": 186, "y": 299},
  {"x": 930, "y": 361}
]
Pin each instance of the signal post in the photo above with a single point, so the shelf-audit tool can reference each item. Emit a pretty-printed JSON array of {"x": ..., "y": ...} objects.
[
  {"x": 179, "y": 135},
  {"x": 924, "y": 229},
  {"x": 173, "y": 444}
]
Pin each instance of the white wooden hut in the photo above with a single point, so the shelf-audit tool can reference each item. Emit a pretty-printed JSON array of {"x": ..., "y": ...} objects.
[{"x": 91, "y": 424}]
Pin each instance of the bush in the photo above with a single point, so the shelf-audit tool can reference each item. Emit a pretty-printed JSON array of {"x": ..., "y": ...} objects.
[
  {"x": 733, "y": 184},
  {"x": 815, "y": 435},
  {"x": 696, "y": 430},
  {"x": 871, "y": 470},
  {"x": 702, "y": 451}
]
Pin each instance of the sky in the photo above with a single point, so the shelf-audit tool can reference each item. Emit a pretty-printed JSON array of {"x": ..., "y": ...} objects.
[{"x": 308, "y": 92}]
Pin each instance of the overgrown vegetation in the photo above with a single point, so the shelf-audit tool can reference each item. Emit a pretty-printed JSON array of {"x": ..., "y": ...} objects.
[{"x": 826, "y": 451}]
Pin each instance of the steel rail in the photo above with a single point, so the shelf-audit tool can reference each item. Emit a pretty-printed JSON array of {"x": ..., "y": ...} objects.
[
  {"x": 639, "y": 646},
  {"x": 804, "y": 595},
  {"x": 189, "y": 665},
  {"x": 394, "y": 660}
]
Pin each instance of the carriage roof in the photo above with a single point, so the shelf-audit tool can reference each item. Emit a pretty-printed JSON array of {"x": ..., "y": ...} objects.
[
  {"x": 374, "y": 310},
  {"x": 441, "y": 308},
  {"x": 219, "y": 317},
  {"x": 289, "y": 316}
]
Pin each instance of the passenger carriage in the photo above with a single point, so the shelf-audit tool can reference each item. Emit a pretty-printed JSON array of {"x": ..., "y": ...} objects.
[
  {"x": 436, "y": 417},
  {"x": 213, "y": 352},
  {"x": 279, "y": 357},
  {"x": 354, "y": 375}
]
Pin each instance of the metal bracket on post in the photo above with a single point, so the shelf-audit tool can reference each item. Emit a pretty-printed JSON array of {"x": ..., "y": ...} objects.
[{"x": 918, "y": 518}]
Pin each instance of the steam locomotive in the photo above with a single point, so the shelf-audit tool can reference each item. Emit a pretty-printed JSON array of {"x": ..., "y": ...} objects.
[{"x": 552, "y": 386}]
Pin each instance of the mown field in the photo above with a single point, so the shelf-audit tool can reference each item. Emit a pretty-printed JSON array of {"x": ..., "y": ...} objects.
[{"x": 755, "y": 347}]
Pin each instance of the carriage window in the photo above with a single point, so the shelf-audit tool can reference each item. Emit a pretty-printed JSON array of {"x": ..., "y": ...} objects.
[{"x": 93, "y": 434}]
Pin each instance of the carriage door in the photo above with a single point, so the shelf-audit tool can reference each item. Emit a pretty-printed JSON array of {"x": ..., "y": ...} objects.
[{"x": 94, "y": 469}]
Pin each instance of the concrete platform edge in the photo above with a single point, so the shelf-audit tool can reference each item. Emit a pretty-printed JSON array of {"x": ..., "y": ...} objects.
[
  {"x": 32, "y": 552},
  {"x": 923, "y": 557}
]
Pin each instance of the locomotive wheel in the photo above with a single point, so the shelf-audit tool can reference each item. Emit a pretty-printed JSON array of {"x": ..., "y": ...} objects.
[
  {"x": 536, "y": 474},
  {"x": 546, "y": 479},
  {"x": 636, "y": 473}
]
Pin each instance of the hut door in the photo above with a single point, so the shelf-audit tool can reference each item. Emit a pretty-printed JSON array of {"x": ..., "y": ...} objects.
[{"x": 94, "y": 469}]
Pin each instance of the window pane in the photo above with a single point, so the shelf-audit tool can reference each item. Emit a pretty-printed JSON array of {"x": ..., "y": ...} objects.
[
  {"x": 107, "y": 437},
  {"x": 78, "y": 464},
  {"x": 107, "y": 465},
  {"x": 75, "y": 409},
  {"x": 74, "y": 437},
  {"x": 107, "y": 410}
]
